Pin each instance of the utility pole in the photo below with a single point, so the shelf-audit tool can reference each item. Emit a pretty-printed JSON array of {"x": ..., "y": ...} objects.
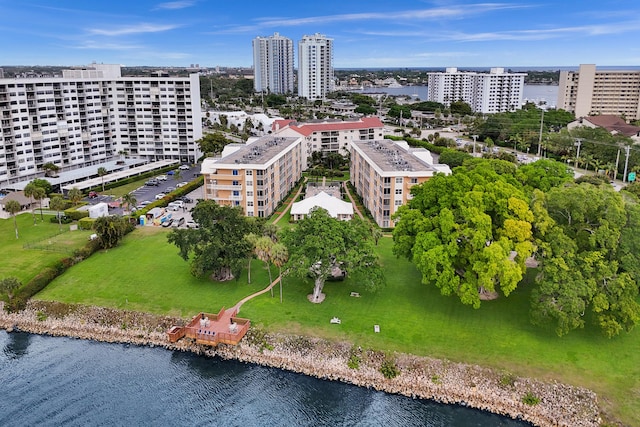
[
  {"x": 540, "y": 135},
  {"x": 626, "y": 163},
  {"x": 578, "y": 143},
  {"x": 474, "y": 144}
]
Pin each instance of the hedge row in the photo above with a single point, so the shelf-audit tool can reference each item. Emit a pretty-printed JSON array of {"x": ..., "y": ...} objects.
[
  {"x": 46, "y": 276},
  {"x": 413, "y": 142}
]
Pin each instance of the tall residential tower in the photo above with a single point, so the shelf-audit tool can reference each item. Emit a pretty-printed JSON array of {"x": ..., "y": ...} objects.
[
  {"x": 93, "y": 115},
  {"x": 493, "y": 92},
  {"x": 315, "y": 67},
  {"x": 273, "y": 64},
  {"x": 589, "y": 92}
]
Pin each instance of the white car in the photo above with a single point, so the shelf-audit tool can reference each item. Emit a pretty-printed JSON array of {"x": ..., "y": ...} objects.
[
  {"x": 161, "y": 177},
  {"x": 181, "y": 184},
  {"x": 191, "y": 224},
  {"x": 184, "y": 167},
  {"x": 160, "y": 196}
]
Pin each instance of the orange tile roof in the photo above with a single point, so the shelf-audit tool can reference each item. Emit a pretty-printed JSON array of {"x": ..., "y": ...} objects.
[{"x": 308, "y": 128}]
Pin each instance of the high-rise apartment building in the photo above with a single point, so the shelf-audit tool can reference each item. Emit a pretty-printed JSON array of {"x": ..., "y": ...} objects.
[
  {"x": 273, "y": 64},
  {"x": 493, "y": 92},
  {"x": 90, "y": 116},
  {"x": 315, "y": 67},
  {"x": 591, "y": 92}
]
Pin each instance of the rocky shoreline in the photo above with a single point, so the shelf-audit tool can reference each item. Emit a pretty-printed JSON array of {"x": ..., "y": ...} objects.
[{"x": 419, "y": 377}]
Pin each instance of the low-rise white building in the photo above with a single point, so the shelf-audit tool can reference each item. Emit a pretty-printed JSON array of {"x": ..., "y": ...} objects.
[{"x": 337, "y": 208}]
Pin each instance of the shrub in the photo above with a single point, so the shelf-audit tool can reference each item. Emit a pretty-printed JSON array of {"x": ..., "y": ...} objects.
[
  {"x": 86, "y": 223},
  {"x": 389, "y": 369},
  {"x": 76, "y": 214},
  {"x": 507, "y": 379},
  {"x": 530, "y": 399}
]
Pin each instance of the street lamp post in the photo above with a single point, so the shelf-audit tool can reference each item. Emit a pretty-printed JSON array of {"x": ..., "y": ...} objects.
[
  {"x": 578, "y": 143},
  {"x": 474, "y": 144}
]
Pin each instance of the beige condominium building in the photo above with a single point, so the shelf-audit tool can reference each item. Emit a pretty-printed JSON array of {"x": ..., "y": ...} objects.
[
  {"x": 589, "y": 91},
  {"x": 383, "y": 172},
  {"x": 331, "y": 136},
  {"x": 255, "y": 176}
]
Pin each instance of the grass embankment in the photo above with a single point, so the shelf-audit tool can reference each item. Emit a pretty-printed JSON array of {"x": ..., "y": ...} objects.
[
  {"x": 145, "y": 273},
  {"x": 27, "y": 263}
]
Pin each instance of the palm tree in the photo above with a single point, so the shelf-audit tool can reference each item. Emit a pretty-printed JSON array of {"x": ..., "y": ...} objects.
[
  {"x": 101, "y": 173},
  {"x": 13, "y": 207},
  {"x": 29, "y": 191},
  {"x": 263, "y": 252},
  {"x": 177, "y": 174},
  {"x": 39, "y": 194},
  {"x": 57, "y": 204},
  {"x": 251, "y": 238},
  {"x": 75, "y": 195},
  {"x": 129, "y": 200},
  {"x": 279, "y": 256}
]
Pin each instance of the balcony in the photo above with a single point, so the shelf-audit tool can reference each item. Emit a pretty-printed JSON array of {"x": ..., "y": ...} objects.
[{"x": 225, "y": 187}]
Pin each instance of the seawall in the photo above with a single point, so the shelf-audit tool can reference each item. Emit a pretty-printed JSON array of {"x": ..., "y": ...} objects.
[{"x": 420, "y": 377}]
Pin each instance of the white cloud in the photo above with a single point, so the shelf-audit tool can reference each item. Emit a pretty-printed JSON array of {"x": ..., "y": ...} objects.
[
  {"x": 90, "y": 44},
  {"x": 133, "y": 29},
  {"x": 172, "y": 5},
  {"x": 451, "y": 12}
]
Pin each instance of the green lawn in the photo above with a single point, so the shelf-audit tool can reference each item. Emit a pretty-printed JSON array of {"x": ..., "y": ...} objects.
[
  {"x": 26, "y": 263},
  {"x": 145, "y": 273}
]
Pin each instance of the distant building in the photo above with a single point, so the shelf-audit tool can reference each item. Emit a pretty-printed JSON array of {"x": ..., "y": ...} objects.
[
  {"x": 613, "y": 124},
  {"x": 331, "y": 136},
  {"x": 383, "y": 172},
  {"x": 273, "y": 64},
  {"x": 315, "y": 67},
  {"x": 256, "y": 176},
  {"x": 493, "y": 92},
  {"x": 91, "y": 115},
  {"x": 588, "y": 92}
]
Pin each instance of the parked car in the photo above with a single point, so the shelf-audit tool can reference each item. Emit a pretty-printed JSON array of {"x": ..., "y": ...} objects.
[
  {"x": 191, "y": 224},
  {"x": 181, "y": 184},
  {"x": 152, "y": 182},
  {"x": 161, "y": 177},
  {"x": 186, "y": 199},
  {"x": 168, "y": 222},
  {"x": 169, "y": 189},
  {"x": 160, "y": 196},
  {"x": 184, "y": 167},
  {"x": 93, "y": 194},
  {"x": 173, "y": 207},
  {"x": 177, "y": 222}
]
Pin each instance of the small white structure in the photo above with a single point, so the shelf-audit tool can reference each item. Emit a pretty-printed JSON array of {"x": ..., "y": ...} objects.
[
  {"x": 337, "y": 208},
  {"x": 98, "y": 210}
]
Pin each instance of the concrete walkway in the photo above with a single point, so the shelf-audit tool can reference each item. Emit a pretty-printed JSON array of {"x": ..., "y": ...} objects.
[
  {"x": 355, "y": 206},
  {"x": 286, "y": 209},
  {"x": 263, "y": 291}
]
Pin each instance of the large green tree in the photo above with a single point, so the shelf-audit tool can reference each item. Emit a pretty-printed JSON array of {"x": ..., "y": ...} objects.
[
  {"x": 469, "y": 233},
  {"x": 8, "y": 286},
  {"x": 110, "y": 230},
  {"x": 212, "y": 143},
  {"x": 589, "y": 263},
  {"x": 544, "y": 174},
  {"x": 218, "y": 247},
  {"x": 321, "y": 246},
  {"x": 57, "y": 203}
]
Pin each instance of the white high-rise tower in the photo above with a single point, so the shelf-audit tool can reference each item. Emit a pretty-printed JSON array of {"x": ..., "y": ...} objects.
[
  {"x": 273, "y": 64},
  {"x": 315, "y": 66}
]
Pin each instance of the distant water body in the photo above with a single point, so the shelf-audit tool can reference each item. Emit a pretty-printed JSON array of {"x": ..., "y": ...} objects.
[
  {"x": 534, "y": 93},
  {"x": 67, "y": 382}
]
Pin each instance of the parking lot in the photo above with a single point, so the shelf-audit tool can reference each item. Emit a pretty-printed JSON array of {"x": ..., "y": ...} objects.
[{"x": 146, "y": 194}]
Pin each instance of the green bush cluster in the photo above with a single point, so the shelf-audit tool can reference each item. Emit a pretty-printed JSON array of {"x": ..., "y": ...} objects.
[
  {"x": 389, "y": 369},
  {"x": 530, "y": 399},
  {"x": 75, "y": 214},
  {"x": 86, "y": 223}
]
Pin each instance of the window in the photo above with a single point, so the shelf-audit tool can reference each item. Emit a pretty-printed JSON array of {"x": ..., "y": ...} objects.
[
  {"x": 398, "y": 190},
  {"x": 234, "y": 172},
  {"x": 414, "y": 180},
  {"x": 249, "y": 173},
  {"x": 399, "y": 180}
]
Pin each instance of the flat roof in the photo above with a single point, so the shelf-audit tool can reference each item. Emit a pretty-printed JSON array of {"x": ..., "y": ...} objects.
[
  {"x": 392, "y": 157},
  {"x": 116, "y": 176},
  {"x": 259, "y": 152}
]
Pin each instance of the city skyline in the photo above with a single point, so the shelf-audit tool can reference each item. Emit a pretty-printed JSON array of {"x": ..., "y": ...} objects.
[{"x": 377, "y": 34}]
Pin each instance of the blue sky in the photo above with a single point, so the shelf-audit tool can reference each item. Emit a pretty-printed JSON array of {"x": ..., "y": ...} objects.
[{"x": 367, "y": 33}]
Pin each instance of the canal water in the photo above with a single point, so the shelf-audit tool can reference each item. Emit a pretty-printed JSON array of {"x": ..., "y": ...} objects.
[{"x": 46, "y": 381}]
